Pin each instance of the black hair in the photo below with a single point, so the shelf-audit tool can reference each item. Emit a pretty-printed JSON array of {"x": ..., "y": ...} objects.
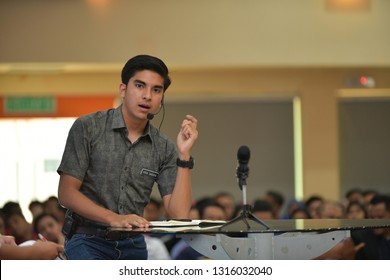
[
  {"x": 277, "y": 197},
  {"x": 313, "y": 198},
  {"x": 353, "y": 191},
  {"x": 35, "y": 203},
  {"x": 261, "y": 205},
  {"x": 40, "y": 217},
  {"x": 10, "y": 208},
  {"x": 208, "y": 203},
  {"x": 379, "y": 198},
  {"x": 300, "y": 209},
  {"x": 145, "y": 62},
  {"x": 368, "y": 192},
  {"x": 358, "y": 204}
]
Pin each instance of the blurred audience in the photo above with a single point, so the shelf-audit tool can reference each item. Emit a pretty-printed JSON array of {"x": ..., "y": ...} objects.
[
  {"x": 377, "y": 241},
  {"x": 354, "y": 194},
  {"x": 262, "y": 209},
  {"x": 48, "y": 226},
  {"x": 367, "y": 196},
  {"x": 291, "y": 206},
  {"x": 228, "y": 202},
  {"x": 52, "y": 206},
  {"x": 331, "y": 210},
  {"x": 36, "y": 208},
  {"x": 313, "y": 203},
  {"x": 276, "y": 200},
  {"x": 300, "y": 213},
  {"x": 19, "y": 228},
  {"x": 356, "y": 210}
]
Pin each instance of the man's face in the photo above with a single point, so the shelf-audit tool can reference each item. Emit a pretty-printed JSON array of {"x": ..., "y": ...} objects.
[
  {"x": 378, "y": 211},
  {"x": 49, "y": 228},
  {"x": 19, "y": 226},
  {"x": 143, "y": 94},
  {"x": 214, "y": 213},
  {"x": 228, "y": 204},
  {"x": 331, "y": 211}
]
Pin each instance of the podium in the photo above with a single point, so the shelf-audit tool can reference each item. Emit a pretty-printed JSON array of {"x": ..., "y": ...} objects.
[{"x": 300, "y": 239}]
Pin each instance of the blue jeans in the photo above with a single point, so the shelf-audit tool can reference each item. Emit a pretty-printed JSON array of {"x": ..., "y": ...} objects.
[{"x": 90, "y": 247}]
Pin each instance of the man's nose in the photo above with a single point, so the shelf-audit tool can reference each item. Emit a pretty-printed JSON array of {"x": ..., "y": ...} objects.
[{"x": 147, "y": 93}]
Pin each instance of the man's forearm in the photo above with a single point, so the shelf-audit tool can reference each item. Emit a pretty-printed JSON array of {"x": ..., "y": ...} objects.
[{"x": 181, "y": 198}]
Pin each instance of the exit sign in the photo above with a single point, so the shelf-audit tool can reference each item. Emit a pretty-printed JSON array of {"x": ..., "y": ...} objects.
[{"x": 29, "y": 105}]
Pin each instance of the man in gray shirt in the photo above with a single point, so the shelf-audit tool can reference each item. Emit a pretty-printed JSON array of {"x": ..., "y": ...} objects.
[{"x": 112, "y": 159}]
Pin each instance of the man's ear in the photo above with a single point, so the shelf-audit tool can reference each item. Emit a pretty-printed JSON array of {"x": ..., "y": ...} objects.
[
  {"x": 162, "y": 100},
  {"x": 122, "y": 90}
]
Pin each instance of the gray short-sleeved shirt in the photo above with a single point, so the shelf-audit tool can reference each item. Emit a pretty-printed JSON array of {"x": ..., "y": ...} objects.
[{"x": 115, "y": 173}]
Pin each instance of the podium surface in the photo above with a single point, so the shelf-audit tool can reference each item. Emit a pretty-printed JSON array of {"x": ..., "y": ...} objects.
[{"x": 299, "y": 239}]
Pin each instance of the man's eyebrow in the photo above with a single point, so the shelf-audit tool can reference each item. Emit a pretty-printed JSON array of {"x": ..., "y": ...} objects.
[
  {"x": 159, "y": 87},
  {"x": 143, "y": 83},
  {"x": 140, "y": 82}
]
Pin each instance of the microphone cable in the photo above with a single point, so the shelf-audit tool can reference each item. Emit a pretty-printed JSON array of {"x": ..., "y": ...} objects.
[{"x": 162, "y": 118}]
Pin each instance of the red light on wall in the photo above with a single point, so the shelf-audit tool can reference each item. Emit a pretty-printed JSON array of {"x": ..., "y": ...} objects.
[
  {"x": 367, "y": 82},
  {"x": 363, "y": 81}
]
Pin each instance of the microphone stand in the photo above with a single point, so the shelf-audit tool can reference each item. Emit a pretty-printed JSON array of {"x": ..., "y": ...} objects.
[{"x": 246, "y": 213}]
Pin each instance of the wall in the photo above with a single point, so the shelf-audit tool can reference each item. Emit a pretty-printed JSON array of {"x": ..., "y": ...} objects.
[{"x": 198, "y": 33}]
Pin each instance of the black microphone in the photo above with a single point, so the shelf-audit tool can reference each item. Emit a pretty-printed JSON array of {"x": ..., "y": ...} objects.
[
  {"x": 243, "y": 156},
  {"x": 150, "y": 116}
]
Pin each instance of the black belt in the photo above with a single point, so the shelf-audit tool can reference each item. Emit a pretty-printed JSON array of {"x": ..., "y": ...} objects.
[{"x": 106, "y": 233}]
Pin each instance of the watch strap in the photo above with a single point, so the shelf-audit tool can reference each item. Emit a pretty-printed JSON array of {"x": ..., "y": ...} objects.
[{"x": 185, "y": 163}]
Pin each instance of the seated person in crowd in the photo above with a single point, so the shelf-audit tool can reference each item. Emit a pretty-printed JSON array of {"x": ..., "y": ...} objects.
[
  {"x": 36, "y": 208},
  {"x": 20, "y": 228},
  {"x": 300, "y": 213},
  {"x": 48, "y": 226},
  {"x": 331, "y": 210},
  {"x": 377, "y": 241},
  {"x": 40, "y": 250},
  {"x": 263, "y": 210},
  {"x": 276, "y": 200},
  {"x": 312, "y": 204},
  {"x": 227, "y": 201},
  {"x": 356, "y": 210}
]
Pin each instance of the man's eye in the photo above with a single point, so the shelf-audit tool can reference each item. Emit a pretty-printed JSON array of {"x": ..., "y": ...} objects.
[{"x": 138, "y": 85}]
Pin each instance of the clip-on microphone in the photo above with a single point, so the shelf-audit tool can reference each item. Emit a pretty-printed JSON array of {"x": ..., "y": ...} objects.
[{"x": 150, "y": 116}]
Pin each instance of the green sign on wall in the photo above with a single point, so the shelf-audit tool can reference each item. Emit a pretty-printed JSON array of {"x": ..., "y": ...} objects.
[{"x": 29, "y": 105}]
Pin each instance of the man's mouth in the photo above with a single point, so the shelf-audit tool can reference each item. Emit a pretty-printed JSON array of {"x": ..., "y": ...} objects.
[{"x": 145, "y": 106}]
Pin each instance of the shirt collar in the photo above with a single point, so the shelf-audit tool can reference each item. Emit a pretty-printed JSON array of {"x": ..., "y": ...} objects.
[
  {"x": 117, "y": 120},
  {"x": 119, "y": 123}
]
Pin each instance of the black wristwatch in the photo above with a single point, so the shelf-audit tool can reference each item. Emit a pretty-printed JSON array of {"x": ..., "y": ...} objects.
[{"x": 185, "y": 164}]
